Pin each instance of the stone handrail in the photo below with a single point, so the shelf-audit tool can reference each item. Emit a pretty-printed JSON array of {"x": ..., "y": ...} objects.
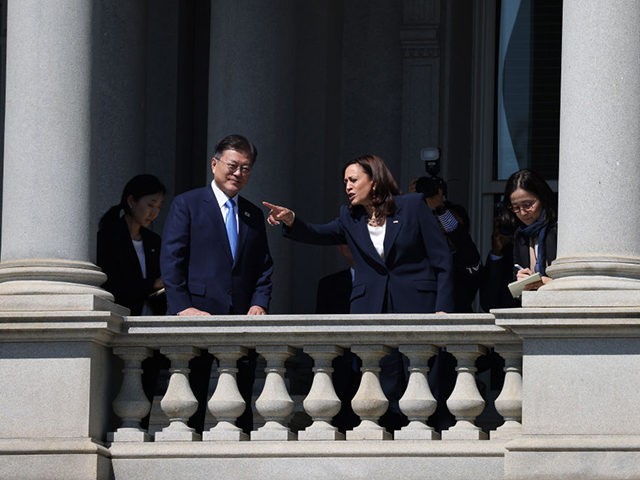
[{"x": 323, "y": 337}]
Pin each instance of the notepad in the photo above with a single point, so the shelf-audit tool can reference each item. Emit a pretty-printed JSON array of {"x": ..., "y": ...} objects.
[{"x": 517, "y": 287}]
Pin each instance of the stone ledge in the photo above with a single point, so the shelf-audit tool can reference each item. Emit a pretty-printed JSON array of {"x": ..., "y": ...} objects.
[
  {"x": 561, "y": 443},
  {"x": 339, "y": 448},
  {"x": 50, "y": 445},
  {"x": 62, "y": 302},
  {"x": 584, "y": 457},
  {"x": 611, "y": 322}
]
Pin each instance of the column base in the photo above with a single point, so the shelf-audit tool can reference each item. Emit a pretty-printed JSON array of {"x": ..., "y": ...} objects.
[
  {"x": 416, "y": 430},
  {"x": 368, "y": 430},
  {"x": 168, "y": 435},
  {"x": 464, "y": 434},
  {"x": 128, "y": 435},
  {"x": 273, "y": 431},
  {"x": 224, "y": 432},
  {"x": 51, "y": 276},
  {"x": 589, "y": 282},
  {"x": 322, "y": 431},
  {"x": 585, "y": 292}
]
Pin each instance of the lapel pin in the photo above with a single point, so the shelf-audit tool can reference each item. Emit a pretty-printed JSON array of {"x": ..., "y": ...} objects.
[
  {"x": 395, "y": 221},
  {"x": 247, "y": 214}
]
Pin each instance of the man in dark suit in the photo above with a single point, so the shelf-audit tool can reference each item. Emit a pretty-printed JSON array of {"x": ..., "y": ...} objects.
[
  {"x": 215, "y": 258},
  {"x": 201, "y": 273}
]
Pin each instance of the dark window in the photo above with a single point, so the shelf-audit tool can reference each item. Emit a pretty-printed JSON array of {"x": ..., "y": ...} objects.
[{"x": 528, "y": 87}]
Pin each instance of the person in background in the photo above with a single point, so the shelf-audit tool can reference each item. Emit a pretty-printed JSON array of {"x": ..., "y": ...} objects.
[
  {"x": 402, "y": 263},
  {"x": 454, "y": 222},
  {"x": 530, "y": 211},
  {"x": 128, "y": 252}
]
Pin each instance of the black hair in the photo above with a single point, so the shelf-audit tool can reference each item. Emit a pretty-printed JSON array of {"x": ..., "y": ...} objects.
[
  {"x": 385, "y": 186},
  {"x": 239, "y": 144},
  {"x": 137, "y": 187},
  {"x": 533, "y": 183}
]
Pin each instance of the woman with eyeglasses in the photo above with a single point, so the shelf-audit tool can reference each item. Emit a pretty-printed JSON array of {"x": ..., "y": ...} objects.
[{"x": 530, "y": 213}]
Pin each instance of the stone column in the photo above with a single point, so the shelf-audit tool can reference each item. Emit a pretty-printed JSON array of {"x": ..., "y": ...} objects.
[
  {"x": 598, "y": 260},
  {"x": 46, "y": 224},
  {"x": 581, "y": 342}
]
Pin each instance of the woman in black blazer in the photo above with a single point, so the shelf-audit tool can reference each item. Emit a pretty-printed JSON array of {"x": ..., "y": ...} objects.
[
  {"x": 128, "y": 252},
  {"x": 402, "y": 262}
]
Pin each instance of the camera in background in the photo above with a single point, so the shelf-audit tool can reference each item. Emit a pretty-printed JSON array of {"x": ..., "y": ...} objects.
[{"x": 432, "y": 182}]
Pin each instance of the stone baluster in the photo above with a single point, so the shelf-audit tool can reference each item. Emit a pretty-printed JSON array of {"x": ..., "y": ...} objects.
[
  {"x": 369, "y": 402},
  {"x": 131, "y": 404},
  {"x": 418, "y": 403},
  {"x": 178, "y": 403},
  {"x": 226, "y": 404},
  {"x": 465, "y": 401},
  {"x": 509, "y": 402},
  {"x": 322, "y": 403},
  {"x": 274, "y": 403}
]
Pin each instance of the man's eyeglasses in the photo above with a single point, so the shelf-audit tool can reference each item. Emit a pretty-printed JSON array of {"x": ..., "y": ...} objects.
[
  {"x": 234, "y": 167},
  {"x": 526, "y": 206}
]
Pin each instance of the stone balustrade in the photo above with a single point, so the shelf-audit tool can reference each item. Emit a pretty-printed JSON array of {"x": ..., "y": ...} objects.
[{"x": 320, "y": 340}]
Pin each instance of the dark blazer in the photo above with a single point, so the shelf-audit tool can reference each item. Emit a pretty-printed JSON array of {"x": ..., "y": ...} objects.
[
  {"x": 196, "y": 263},
  {"x": 416, "y": 273},
  {"x": 496, "y": 274},
  {"x": 334, "y": 293},
  {"x": 117, "y": 258}
]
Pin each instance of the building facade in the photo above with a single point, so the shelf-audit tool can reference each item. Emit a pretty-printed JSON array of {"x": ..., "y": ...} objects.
[{"x": 99, "y": 91}]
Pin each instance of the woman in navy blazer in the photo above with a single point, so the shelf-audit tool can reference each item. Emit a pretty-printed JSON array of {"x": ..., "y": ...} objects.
[{"x": 402, "y": 261}]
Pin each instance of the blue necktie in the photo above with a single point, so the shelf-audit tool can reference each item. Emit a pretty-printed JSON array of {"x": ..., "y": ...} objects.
[{"x": 232, "y": 226}]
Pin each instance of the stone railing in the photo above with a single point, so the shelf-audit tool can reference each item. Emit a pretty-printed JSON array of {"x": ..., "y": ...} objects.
[
  {"x": 73, "y": 405},
  {"x": 275, "y": 338}
]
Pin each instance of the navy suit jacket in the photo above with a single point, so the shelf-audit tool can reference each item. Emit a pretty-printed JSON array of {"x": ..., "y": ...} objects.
[
  {"x": 196, "y": 263},
  {"x": 334, "y": 293},
  {"x": 415, "y": 275}
]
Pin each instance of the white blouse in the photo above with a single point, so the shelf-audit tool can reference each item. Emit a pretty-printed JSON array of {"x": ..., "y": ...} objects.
[{"x": 377, "y": 238}]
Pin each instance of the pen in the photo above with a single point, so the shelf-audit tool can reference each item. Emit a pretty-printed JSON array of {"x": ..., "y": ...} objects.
[{"x": 517, "y": 266}]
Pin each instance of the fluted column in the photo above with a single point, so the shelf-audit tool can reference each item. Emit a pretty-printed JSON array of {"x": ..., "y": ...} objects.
[
  {"x": 274, "y": 403},
  {"x": 509, "y": 402},
  {"x": 369, "y": 402},
  {"x": 598, "y": 261},
  {"x": 322, "y": 402},
  {"x": 46, "y": 191},
  {"x": 465, "y": 401},
  {"x": 179, "y": 402},
  {"x": 226, "y": 403},
  {"x": 418, "y": 403}
]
